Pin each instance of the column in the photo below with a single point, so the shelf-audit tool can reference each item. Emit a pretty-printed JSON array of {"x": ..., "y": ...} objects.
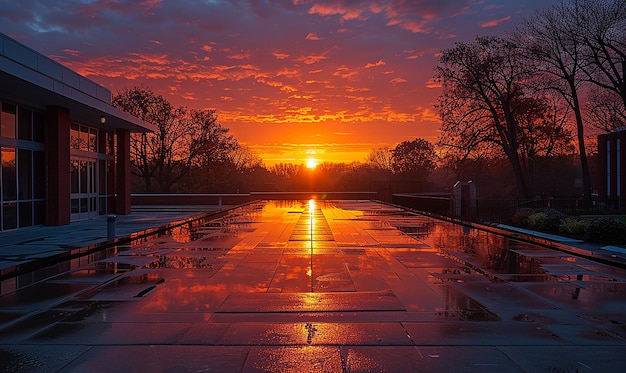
[
  {"x": 601, "y": 178},
  {"x": 122, "y": 192},
  {"x": 58, "y": 162}
]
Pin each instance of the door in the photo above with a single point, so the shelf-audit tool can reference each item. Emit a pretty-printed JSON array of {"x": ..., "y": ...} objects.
[{"x": 84, "y": 193}]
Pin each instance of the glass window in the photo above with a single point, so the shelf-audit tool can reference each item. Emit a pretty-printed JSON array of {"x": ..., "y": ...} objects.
[
  {"x": 102, "y": 177},
  {"x": 25, "y": 175},
  {"x": 83, "y": 177},
  {"x": 84, "y": 138},
  {"x": 7, "y": 121},
  {"x": 103, "y": 205},
  {"x": 22, "y": 170},
  {"x": 9, "y": 183},
  {"x": 25, "y": 124},
  {"x": 74, "y": 137},
  {"x": 39, "y": 174},
  {"x": 74, "y": 205},
  {"x": 26, "y": 214},
  {"x": 40, "y": 213},
  {"x": 74, "y": 167},
  {"x": 91, "y": 169},
  {"x": 9, "y": 211},
  {"x": 93, "y": 144}
]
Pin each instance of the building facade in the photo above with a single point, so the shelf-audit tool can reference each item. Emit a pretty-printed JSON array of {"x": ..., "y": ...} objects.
[
  {"x": 612, "y": 159},
  {"x": 64, "y": 149}
]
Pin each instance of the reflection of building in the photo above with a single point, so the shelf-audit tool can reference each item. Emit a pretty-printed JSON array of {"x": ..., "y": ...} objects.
[
  {"x": 611, "y": 157},
  {"x": 64, "y": 149}
]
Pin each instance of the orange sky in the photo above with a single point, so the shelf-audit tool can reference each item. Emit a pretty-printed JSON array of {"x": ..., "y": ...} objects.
[{"x": 291, "y": 79}]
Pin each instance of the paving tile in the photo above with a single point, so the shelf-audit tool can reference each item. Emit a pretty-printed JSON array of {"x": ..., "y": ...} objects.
[
  {"x": 37, "y": 359},
  {"x": 155, "y": 358},
  {"x": 293, "y": 359},
  {"x": 322, "y": 302}
]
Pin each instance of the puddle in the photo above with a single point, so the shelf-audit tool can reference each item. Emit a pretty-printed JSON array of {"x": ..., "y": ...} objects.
[
  {"x": 183, "y": 262},
  {"x": 465, "y": 307}
]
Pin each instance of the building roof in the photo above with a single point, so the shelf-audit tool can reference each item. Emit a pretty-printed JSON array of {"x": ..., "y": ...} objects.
[{"x": 38, "y": 81}]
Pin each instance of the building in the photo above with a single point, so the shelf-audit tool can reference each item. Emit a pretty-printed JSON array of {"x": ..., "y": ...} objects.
[
  {"x": 611, "y": 159},
  {"x": 64, "y": 150}
]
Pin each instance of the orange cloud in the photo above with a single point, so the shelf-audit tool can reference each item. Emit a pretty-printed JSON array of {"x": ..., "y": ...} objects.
[
  {"x": 336, "y": 9},
  {"x": 379, "y": 63},
  {"x": 312, "y": 36},
  {"x": 72, "y": 52},
  {"x": 311, "y": 59},
  {"x": 494, "y": 22},
  {"x": 345, "y": 72},
  {"x": 411, "y": 25},
  {"x": 433, "y": 83},
  {"x": 398, "y": 80},
  {"x": 244, "y": 55}
]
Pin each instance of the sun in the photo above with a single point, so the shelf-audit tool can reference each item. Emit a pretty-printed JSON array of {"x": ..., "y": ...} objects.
[{"x": 311, "y": 163}]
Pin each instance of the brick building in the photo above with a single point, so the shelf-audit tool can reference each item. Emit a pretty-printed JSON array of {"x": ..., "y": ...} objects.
[
  {"x": 64, "y": 150},
  {"x": 612, "y": 160}
]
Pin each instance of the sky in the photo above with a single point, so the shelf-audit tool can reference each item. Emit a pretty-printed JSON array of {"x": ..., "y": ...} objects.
[{"x": 292, "y": 80}]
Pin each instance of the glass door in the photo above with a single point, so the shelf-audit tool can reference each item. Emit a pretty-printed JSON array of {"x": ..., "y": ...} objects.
[{"x": 84, "y": 193}]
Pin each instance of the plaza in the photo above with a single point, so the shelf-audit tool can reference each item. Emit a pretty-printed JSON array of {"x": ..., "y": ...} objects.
[{"x": 334, "y": 286}]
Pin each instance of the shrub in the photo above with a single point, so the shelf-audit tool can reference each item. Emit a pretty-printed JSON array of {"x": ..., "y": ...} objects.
[
  {"x": 573, "y": 226},
  {"x": 545, "y": 220},
  {"x": 606, "y": 230},
  {"x": 537, "y": 221},
  {"x": 553, "y": 220}
]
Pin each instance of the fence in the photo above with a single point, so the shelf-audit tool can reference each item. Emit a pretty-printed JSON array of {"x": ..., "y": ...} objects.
[{"x": 501, "y": 210}]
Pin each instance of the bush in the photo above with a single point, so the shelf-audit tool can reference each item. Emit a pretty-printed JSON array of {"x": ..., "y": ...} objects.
[
  {"x": 545, "y": 220},
  {"x": 606, "y": 230},
  {"x": 553, "y": 220},
  {"x": 536, "y": 221},
  {"x": 573, "y": 226}
]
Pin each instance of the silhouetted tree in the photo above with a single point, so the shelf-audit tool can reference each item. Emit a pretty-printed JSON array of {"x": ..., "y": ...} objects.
[
  {"x": 551, "y": 40},
  {"x": 605, "y": 109},
  {"x": 184, "y": 139},
  {"x": 414, "y": 160},
  {"x": 243, "y": 159},
  {"x": 603, "y": 33},
  {"x": 482, "y": 82},
  {"x": 380, "y": 158}
]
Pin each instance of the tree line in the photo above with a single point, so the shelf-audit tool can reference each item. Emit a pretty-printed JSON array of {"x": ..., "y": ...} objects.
[
  {"x": 514, "y": 113},
  {"x": 534, "y": 92},
  {"x": 190, "y": 152}
]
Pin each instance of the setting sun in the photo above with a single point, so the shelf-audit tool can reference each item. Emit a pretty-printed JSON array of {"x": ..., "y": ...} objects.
[{"x": 311, "y": 163}]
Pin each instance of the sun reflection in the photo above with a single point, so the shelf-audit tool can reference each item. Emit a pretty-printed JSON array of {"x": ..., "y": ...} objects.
[{"x": 311, "y": 213}]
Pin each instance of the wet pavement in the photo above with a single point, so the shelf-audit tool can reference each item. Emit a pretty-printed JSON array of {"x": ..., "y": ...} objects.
[{"x": 321, "y": 286}]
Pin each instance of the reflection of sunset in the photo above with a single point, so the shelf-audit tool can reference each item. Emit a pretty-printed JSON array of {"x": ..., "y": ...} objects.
[{"x": 379, "y": 289}]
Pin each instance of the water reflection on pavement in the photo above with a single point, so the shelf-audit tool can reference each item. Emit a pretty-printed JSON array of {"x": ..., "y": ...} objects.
[{"x": 338, "y": 286}]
